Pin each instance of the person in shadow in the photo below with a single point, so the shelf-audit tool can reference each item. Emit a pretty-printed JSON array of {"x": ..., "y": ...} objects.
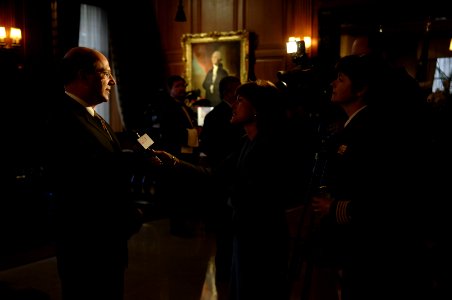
[
  {"x": 88, "y": 175},
  {"x": 212, "y": 80},
  {"x": 178, "y": 124},
  {"x": 257, "y": 179},
  {"x": 218, "y": 138},
  {"x": 179, "y": 135},
  {"x": 377, "y": 138}
]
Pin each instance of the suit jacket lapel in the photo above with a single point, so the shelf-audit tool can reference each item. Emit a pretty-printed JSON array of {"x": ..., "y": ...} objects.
[{"x": 94, "y": 126}]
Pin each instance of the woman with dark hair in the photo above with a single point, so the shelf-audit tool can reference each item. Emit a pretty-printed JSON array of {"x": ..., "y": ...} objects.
[
  {"x": 256, "y": 177},
  {"x": 257, "y": 195}
]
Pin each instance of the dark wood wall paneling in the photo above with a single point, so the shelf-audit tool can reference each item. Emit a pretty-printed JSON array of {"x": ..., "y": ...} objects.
[
  {"x": 325, "y": 20},
  {"x": 272, "y": 22},
  {"x": 265, "y": 19}
]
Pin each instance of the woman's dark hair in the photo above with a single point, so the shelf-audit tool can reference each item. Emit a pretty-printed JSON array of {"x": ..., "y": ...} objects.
[
  {"x": 267, "y": 100},
  {"x": 263, "y": 94}
]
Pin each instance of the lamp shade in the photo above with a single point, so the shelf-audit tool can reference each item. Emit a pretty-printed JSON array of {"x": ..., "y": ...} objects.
[
  {"x": 2, "y": 32},
  {"x": 15, "y": 35},
  {"x": 292, "y": 46}
]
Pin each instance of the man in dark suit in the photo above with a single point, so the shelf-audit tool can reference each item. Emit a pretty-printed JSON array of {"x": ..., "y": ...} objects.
[
  {"x": 178, "y": 126},
  {"x": 88, "y": 175},
  {"x": 179, "y": 134},
  {"x": 213, "y": 77},
  {"x": 218, "y": 136}
]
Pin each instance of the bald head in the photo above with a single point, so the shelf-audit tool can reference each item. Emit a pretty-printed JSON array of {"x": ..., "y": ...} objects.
[
  {"x": 86, "y": 74},
  {"x": 79, "y": 59}
]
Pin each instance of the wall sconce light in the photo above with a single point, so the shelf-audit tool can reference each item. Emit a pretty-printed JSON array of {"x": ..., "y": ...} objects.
[
  {"x": 296, "y": 45},
  {"x": 11, "y": 41},
  {"x": 450, "y": 46},
  {"x": 292, "y": 45},
  {"x": 297, "y": 48},
  {"x": 180, "y": 14},
  {"x": 307, "y": 43}
]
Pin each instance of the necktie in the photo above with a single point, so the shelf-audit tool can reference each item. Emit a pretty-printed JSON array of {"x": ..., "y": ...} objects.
[{"x": 104, "y": 124}]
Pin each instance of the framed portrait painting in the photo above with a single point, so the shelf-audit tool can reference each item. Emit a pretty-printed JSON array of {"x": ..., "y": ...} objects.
[{"x": 210, "y": 56}]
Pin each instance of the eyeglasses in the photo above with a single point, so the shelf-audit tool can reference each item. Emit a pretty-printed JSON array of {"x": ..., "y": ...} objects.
[{"x": 105, "y": 74}]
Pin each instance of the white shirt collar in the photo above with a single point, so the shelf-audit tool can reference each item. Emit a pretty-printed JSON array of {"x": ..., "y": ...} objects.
[
  {"x": 83, "y": 103},
  {"x": 354, "y": 114}
]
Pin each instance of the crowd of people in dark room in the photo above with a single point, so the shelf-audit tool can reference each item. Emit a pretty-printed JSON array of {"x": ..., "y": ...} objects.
[
  {"x": 356, "y": 140},
  {"x": 363, "y": 136}
]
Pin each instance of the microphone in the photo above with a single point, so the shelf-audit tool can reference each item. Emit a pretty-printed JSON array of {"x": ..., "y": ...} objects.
[{"x": 146, "y": 142}]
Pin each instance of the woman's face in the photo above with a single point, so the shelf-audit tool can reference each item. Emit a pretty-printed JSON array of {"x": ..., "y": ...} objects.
[{"x": 243, "y": 111}]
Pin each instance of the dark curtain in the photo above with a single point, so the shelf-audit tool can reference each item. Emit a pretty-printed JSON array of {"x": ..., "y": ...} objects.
[
  {"x": 68, "y": 18},
  {"x": 26, "y": 81},
  {"x": 140, "y": 69},
  {"x": 140, "y": 72},
  {"x": 26, "y": 77},
  {"x": 51, "y": 28}
]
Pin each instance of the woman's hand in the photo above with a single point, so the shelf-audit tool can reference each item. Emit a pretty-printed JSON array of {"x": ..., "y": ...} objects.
[{"x": 167, "y": 159}]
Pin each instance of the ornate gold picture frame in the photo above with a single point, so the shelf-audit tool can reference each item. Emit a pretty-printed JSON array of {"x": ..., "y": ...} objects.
[{"x": 198, "y": 49}]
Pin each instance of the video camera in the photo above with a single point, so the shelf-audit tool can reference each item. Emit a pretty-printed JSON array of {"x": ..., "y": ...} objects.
[{"x": 305, "y": 87}]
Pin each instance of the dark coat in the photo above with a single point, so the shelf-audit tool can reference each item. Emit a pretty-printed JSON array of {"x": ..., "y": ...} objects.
[
  {"x": 175, "y": 117},
  {"x": 218, "y": 136},
  {"x": 257, "y": 179},
  {"x": 371, "y": 164},
  {"x": 93, "y": 215}
]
